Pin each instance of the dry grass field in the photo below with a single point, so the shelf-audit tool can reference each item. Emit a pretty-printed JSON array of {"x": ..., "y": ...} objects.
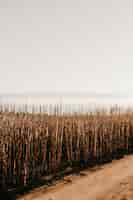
[{"x": 35, "y": 147}]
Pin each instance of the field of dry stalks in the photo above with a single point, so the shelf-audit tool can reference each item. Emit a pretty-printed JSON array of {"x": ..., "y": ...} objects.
[{"x": 33, "y": 146}]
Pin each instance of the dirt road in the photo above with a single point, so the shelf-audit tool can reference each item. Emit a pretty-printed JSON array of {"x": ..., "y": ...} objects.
[{"x": 112, "y": 181}]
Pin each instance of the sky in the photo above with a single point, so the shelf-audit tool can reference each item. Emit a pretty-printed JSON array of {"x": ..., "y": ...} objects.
[{"x": 73, "y": 46}]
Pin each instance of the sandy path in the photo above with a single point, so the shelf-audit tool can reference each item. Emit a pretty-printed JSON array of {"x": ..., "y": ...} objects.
[{"x": 101, "y": 184}]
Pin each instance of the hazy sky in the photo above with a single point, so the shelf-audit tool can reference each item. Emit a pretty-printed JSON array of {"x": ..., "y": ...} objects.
[{"x": 66, "y": 45}]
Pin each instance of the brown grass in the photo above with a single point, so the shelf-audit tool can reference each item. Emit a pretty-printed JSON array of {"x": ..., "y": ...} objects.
[{"x": 33, "y": 146}]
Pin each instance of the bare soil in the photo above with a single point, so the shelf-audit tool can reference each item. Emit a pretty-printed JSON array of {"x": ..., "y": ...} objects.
[{"x": 113, "y": 181}]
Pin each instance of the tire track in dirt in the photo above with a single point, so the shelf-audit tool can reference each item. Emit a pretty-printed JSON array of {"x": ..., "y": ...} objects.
[{"x": 101, "y": 184}]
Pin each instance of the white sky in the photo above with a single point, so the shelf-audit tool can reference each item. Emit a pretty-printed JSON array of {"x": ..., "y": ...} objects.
[{"x": 66, "y": 46}]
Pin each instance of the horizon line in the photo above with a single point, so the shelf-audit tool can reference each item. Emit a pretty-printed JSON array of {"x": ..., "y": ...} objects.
[{"x": 67, "y": 94}]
